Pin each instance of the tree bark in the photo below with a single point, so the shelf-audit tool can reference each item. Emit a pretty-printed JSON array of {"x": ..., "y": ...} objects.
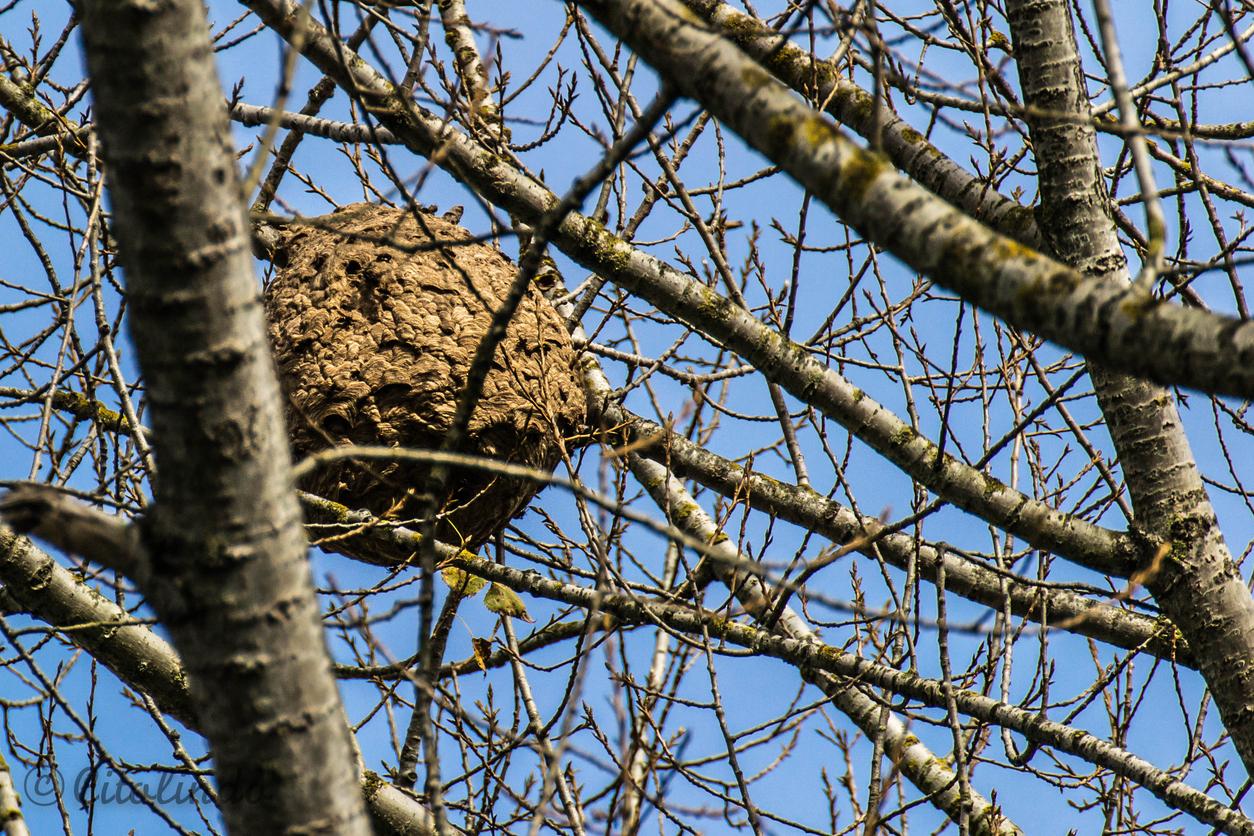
[
  {"x": 780, "y": 360},
  {"x": 1059, "y": 608},
  {"x": 1197, "y": 585},
  {"x": 860, "y": 111},
  {"x": 1118, "y": 325},
  {"x": 227, "y": 572}
]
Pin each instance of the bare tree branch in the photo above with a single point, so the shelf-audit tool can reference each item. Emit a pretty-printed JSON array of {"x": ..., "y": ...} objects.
[{"x": 228, "y": 574}]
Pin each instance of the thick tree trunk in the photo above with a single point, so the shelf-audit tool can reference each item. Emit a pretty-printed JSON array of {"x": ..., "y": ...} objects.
[
  {"x": 1197, "y": 584},
  {"x": 227, "y": 573}
]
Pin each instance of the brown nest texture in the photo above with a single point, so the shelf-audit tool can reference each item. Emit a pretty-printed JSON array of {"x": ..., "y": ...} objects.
[{"x": 374, "y": 331}]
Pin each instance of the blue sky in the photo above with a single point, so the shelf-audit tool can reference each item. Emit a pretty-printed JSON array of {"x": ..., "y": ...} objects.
[{"x": 754, "y": 689}]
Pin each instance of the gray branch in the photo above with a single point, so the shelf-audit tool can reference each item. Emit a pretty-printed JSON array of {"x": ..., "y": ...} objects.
[
  {"x": 228, "y": 574},
  {"x": 778, "y": 359},
  {"x": 1117, "y": 325},
  {"x": 1198, "y": 586}
]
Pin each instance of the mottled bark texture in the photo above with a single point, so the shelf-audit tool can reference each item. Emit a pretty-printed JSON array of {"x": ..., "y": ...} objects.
[
  {"x": 1198, "y": 586},
  {"x": 1165, "y": 342},
  {"x": 814, "y": 512},
  {"x": 779, "y": 359},
  {"x": 1114, "y": 323},
  {"x": 931, "y": 774},
  {"x": 142, "y": 660},
  {"x": 859, "y": 110},
  {"x": 114, "y": 637},
  {"x": 818, "y": 659},
  {"x": 374, "y": 326},
  {"x": 227, "y": 574}
]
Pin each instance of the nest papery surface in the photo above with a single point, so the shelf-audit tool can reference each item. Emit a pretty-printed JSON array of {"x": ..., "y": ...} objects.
[{"x": 374, "y": 330}]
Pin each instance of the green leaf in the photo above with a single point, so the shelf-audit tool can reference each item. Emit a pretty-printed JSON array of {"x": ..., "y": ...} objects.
[
  {"x": 461, "y": 581},
  {"x": 504, "y": 601}
]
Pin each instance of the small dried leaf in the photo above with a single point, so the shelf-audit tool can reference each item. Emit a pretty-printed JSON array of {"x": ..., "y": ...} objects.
[
  {"x": 461, "y": 581},
  {"x": 504, "y": 601},
  {"x": 483, "y": 649}
]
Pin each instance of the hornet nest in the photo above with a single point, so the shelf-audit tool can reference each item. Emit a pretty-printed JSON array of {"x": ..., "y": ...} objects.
[{"x": 374, "y": 330}]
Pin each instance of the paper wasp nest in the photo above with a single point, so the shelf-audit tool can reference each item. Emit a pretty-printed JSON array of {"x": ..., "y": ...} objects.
[{"x": 373, "y": 343}]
